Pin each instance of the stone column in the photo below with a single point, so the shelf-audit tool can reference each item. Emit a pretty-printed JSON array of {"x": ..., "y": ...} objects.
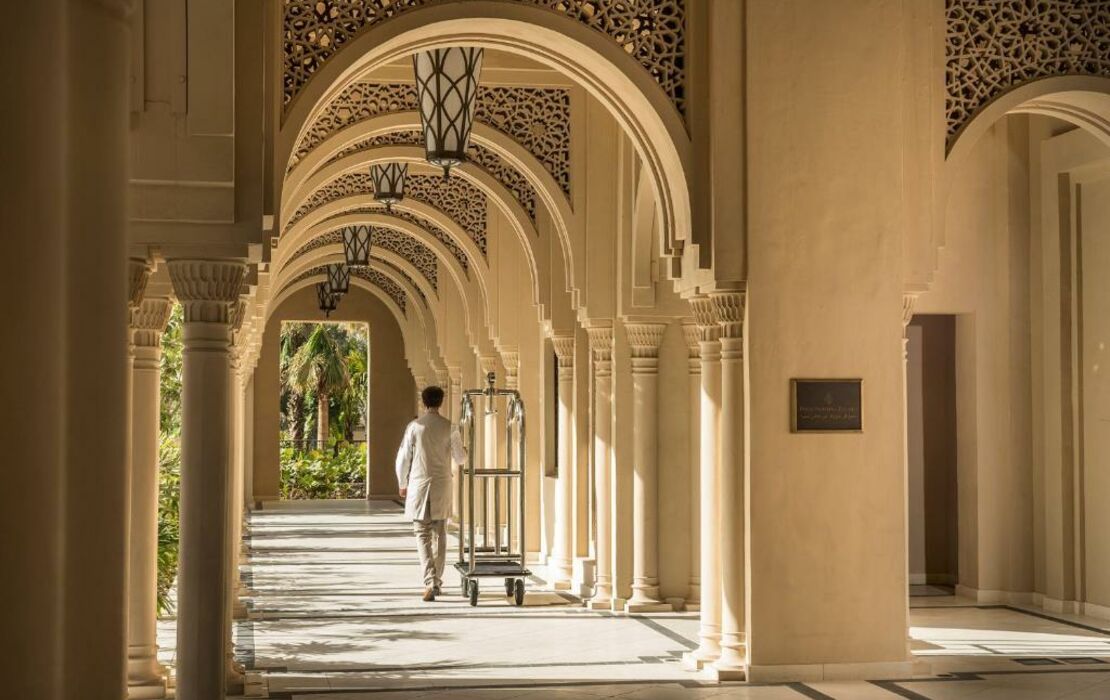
[
  {"x": 510, "y": 497},
  {"x": 908, "y": 301},
  {"x": 601, "y": 345},
  {"x": 644, "y": 340},
  {"x": 419, "y": 380},
  {"x": 563, "y": 553},
  {"x": 693, "y": 373},
  {"x": 145, "y": 676},
  {"x": 731, "y": 664},
  {"x": 207, "y": 289},
  {"x": 236, "y": 609},
  {"x": 709, "y": 630}
]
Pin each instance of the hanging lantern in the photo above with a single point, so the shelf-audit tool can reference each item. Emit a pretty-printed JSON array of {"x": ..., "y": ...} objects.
[
  {"x": 389, "y": 182},
  {"x": 447, "y": 86},
  {"x": 356, "y": 245},
  {"x": 327, "y": 298},
  {"x": 339, "y": 278}
]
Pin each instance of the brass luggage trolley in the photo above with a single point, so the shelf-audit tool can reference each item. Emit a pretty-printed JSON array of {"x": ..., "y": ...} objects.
[{"x": 492, "y": 558}]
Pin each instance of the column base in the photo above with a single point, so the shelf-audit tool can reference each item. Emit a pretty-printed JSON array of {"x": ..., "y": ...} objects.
[
  {"x": 617, "y": 604},
  {"x": 647, "y": 607},
  {"x": 715, "y": 674},
  {"x": 153, "y": 690},
  {"x": 693, "y": 607},
  {"x": 694, "y": 661},
  {"x": 597, "y": 603}
]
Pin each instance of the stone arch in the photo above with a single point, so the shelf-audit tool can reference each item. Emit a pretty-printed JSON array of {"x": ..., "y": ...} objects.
[{"x": 588, "y": 57}]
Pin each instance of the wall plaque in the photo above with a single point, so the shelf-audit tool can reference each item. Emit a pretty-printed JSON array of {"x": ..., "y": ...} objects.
[{"x": 826, "y": 405}]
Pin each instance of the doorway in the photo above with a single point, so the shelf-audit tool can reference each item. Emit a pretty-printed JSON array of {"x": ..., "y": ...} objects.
[{"x": 931, "y": 454}]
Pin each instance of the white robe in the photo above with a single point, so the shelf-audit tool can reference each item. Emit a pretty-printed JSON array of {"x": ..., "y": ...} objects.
[{"x": 424, "y": 466}]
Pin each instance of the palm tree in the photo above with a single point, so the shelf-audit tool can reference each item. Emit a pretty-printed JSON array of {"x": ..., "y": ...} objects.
[
  {"x": 320, "y": 365},
  {"x": 293, "y": 336}
]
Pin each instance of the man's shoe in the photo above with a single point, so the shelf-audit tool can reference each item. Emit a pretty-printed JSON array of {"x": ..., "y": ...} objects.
[{"x": 429, "y": 594}]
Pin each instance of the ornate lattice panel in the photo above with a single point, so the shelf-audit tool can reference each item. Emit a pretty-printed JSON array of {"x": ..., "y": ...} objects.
[
  {"x": 536, "y": 118},
  {"x": 391, "y": 288},
  {"x": 429, "y": 226},
  {"x": 992, "y": 46},
  {"x": 399, "y": 272},
  {"x": 495, "y": 165},
  {"x": 393, "y": 240},
  {"x": 651, "y": 31},
  {"x": 458, "y": 199}
]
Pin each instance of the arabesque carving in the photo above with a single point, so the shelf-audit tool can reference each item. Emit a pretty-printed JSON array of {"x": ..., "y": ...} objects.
[
  {"x": 393, "y": 240},
  {"x": 651, "y": 31},
  {"x": 393, "y": 290},
  {"x": 992, "y": 46}
]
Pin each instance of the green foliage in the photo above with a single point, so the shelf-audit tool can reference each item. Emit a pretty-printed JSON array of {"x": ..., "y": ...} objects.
[
  {"x": 315, "y": 474},
  {"x": 169, "y": 460}
]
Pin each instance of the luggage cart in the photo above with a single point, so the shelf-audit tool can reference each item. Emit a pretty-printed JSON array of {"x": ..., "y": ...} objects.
[{"x": 492, "y": 558}]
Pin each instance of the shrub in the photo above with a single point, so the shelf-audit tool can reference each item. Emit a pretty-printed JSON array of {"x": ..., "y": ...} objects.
[
  {"x": 169, "y": 517},
  {"x": 315, "y": 474}
]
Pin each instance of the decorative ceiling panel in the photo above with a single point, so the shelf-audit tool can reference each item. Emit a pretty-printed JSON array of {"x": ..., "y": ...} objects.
[
  {"x": 651, "y": 31},
  {"x": 536, "y": 118},
  {"x": 419, "y": 221},
  {"x": 992, "y": 46}
]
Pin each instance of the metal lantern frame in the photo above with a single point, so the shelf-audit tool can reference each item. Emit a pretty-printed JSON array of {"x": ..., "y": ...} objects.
[
  {"x": 339, "y": 278},
  {"x": 446, "y": 89},
  {"x": 389, "y": 182},
  {"x": 327, "y": 299},
  {"x": 356, "y": 245}
]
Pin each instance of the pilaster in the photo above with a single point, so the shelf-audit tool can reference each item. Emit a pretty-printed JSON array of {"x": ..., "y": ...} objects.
[
  {"x": 562, "y": 555},
  {"x": 601, "y": 356},
  {"x": 693, "y": 373}
]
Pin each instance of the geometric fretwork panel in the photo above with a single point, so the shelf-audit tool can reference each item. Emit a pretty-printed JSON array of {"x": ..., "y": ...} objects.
[
  {"x": 458, "y": 199},
  {"x": 391, "y": 288},
  {"x": 397, "y": 242},
  {"x": 398, "y": 271},
  {"x": 651, "y": 31},
  {"x": 495, "y": 165},
  {"x": 419, "y": 221},
  {"x": 536, "y": 118},
  {"x": 992, "y": 46}
]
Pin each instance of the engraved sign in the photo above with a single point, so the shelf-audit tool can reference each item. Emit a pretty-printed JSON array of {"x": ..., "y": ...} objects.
[{"x": 826, "y": 405}]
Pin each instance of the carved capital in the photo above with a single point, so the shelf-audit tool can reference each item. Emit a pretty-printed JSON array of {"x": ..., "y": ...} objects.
[
  {"x": 207, "y": 288},
  {"x": 705, "y": 318},
  {"x": 601, "y": 346},
  {"x": 908, "y": 301},
  {"x": 564, "y": 352},
  {"x": 511, "y": 360},
  {"x": 488, "y": 363},
  {"x": 730, "y": 312},
  {"x": 138, "y": 274},
  {"x": 644, "y": 339},
  {"x": 149, "y": 320}
]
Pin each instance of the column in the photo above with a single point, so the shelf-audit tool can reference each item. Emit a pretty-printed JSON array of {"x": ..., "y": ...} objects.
[
  {"x": 731, "y": 664},
  {"x": 693, "y": 373},
  {"x": 206, "y": 289},
  {"x": 601, "y": 347},
  {"x": 510, "y": 360},
  {"x": 908, "y": 301},
  {"x": 419, "y": 381},
  {"x": 145, "y": 676},
  {"x": 235, "y": 609},
  {"x": 562, "y": 563},
  {"x": 488, "y": 503},
  {"x": 644, "y": 340},
  {"x": 709, "y": 348}
]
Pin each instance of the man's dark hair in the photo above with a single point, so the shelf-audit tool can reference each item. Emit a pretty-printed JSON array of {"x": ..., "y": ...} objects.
[{"x": 432, "y": 397}]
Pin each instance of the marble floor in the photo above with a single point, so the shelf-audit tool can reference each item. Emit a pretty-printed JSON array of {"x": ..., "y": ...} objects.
[{"x": 335, "y": 614}]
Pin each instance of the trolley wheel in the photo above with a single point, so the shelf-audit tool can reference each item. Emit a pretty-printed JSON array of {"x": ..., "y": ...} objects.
[
  {"x": 463, "y": 584},
  {"x": 473, "y": 592},
  {"x": 518, "y": 592},
  {"x": 509, "y": 588}
]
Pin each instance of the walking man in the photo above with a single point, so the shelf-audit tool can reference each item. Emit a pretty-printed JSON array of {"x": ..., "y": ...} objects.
[{"x": 424, "y": 463}]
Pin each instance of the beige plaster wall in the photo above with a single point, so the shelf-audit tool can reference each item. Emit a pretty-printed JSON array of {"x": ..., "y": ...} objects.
[
  {"x": 392, "y": 390},
  {"x": 827, "y": 539}
]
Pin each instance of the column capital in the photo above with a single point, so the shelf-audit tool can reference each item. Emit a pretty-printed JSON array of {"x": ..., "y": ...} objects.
[
  {"x": 442, "y": 378},
  {"x": 692, "y": 335},
  {"x": 207, "y": 288},
  {"x": 705, "y": 318},
  {"x": 601, "y": 345},
  {"x": 138, "y": 274},
  {"x": 908, "y": 301},
  {"x": 511, "y": 360},
  {"x": 564, "y": 349},
  {"x": 645, "y": 338},
  {"x": 488, "y": 363},
  {"x": 148, "y": 321},
  {"x": 729, "y": 307}
]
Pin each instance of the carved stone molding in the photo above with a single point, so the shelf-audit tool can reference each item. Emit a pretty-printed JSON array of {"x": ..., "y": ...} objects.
[
  {"x": 536, "y": 118},
  {"x": 692, "y": 335},
  {"x": 393, "y": 240},
  {"x": 207, "y": 288},
  {"x": 908, "y": 301},
  {"x": 992, "y": 46},
  {"x": 138, "y": 274},
  {"x": 729, "y": 307},
  {"x": 564, "y": 353},
  {"x": 653, "y": 32},
  {"x": 488, "y": 363},
  {"x": 705, "y": 318},
  {"x": 644, "y": 339},
  {"x": 148, "y": 322},
  {"x": 601, "y": 346}
]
